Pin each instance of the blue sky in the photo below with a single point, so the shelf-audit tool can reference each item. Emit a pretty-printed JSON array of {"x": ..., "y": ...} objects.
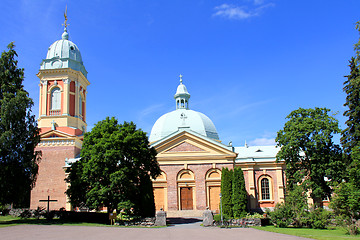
[{"x": 247, "y": 63}]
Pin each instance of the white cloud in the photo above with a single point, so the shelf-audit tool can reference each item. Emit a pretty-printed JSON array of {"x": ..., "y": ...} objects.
[
  {"x": 150, "y": 110},
  {"x": 240, "y": 12},
  {"x": 262, "y": 142}
]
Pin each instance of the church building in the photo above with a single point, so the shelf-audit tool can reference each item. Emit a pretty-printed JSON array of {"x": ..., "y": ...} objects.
[
  {"x": 191, "y": 157},
  {"x": 189, "y": 151}
]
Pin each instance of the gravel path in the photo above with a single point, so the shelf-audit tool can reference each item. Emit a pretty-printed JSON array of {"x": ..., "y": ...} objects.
[{"x": 176, "y": 232}]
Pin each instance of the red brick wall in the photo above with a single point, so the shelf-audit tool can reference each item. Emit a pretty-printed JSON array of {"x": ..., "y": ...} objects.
[
  {"x": 199, "y": 171},
  {"x": 50, "y": 180}
]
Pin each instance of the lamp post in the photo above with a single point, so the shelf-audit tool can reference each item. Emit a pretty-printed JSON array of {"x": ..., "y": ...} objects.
[{"x": 221, "y": 214}]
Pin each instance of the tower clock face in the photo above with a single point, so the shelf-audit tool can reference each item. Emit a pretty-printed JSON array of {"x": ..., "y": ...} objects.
[{"x": 56, "y": 64}]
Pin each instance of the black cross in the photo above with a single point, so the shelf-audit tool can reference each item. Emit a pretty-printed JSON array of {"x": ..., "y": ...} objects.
[{"x": 48, "y": 203}]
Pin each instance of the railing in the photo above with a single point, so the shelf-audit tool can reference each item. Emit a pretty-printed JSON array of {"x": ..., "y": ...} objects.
[{"x": 55, "y": 112}]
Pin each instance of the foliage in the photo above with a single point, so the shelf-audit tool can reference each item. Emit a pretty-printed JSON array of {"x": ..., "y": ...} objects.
[
  {"x": 346, "y": 205},
  {"x": 347, "y": 195},
  {"x": 254, "y": 215},
  {"x": 19, "y": 134},
  {"x": 294, "y": 211},
  {"x": 4, "y": 210},
  {"x": 239, "y": 195},
  {"x": 116, "y": 164},
  {"x": 226, "y": 191},
  {"x": 147, "y": 200},
  {"x": 308, "y": 151},
  {"x": 319, "y": 218},
  {"x": 350, "y": 138},
  {"x": 217, "y": 217}
]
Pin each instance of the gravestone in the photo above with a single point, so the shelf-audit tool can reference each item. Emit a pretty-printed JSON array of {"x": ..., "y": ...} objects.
[
  {"x": 160, "y": 219},
  {"x": 208, "y": 218}
]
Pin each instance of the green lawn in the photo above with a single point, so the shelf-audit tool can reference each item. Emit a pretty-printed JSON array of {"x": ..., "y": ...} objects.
[
  {"x": 322, "y": 234},
  {"x": 6, "y": 221}
]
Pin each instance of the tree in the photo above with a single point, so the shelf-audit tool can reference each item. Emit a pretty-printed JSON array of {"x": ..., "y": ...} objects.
[
  {"x": 115, "y": 168},
  {"x": 239, "y": 195},
  {"x": 346, "y": 205},
  {"x": 308, "y": 151},
  {"x": 346, "y": 200},
  {"x": 19, "y": 134},
  {"x": 226, "y": 192},
  {"x": 350, "y": 139}
]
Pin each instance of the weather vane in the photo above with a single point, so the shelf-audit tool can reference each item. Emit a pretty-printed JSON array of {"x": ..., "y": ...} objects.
[{"x": 65, "y": 15}]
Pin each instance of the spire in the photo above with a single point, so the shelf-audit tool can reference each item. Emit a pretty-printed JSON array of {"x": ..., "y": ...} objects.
[
  {"x": 182, "y": 96},
  {"x": 65, "y": 35}
]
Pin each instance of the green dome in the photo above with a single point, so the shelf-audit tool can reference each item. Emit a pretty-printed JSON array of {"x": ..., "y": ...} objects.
[{"x": 64, "y": 54}]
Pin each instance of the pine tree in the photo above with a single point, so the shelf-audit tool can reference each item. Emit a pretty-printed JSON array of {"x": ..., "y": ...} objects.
[
  {"x": 226, "y": 192},
  {"x": 19, "y": 134},
  {"x": 350, "y": 139},
  {"x": 239, "y": 195}
]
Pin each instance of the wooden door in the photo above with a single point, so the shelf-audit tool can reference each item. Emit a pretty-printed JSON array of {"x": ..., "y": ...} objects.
[
  {"x": 186, "y": 198},
  {"x": 214, "y": 198},
  {"x": 159, "y": 196}
]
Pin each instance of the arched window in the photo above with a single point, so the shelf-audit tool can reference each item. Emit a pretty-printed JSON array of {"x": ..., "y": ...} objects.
[
  {"x": 56, "y": 99},
  {"x": 182, "y": 103},
  {"x": 265, "y": 189}
]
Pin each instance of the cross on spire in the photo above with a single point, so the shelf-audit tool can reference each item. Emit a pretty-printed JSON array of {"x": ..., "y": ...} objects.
[{"x": 53, "y": 125}]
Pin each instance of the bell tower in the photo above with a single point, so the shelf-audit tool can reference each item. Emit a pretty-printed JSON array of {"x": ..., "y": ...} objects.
[{"x": 62, "y": 119}]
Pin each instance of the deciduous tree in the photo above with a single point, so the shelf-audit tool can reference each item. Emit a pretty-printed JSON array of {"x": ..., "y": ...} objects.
[
  {"x": 115, "y": 168},
  {"x": 19, "y": 134},
  {"x": 309, "y": 152}
]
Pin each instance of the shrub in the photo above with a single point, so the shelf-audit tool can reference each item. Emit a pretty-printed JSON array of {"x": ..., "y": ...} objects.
[
  {"x": 282, "y": 215},
  {"x": 239, "y": 195},
  {"x": 217, "y": 217},
  {"x": 4, "y": 210},
  {"x": 319, "y": 218},
  {"x": 226, "y": 191},
  {"x": 25, "y": 214}
]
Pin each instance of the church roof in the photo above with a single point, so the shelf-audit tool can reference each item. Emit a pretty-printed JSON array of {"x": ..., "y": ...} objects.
[
  {"x": 63, "y": 53},
  {"x": 183, "y": 117},
  {"x": 257, "y": 152}
]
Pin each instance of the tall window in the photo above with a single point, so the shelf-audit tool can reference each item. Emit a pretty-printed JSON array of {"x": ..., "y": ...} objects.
[
  {"x": 265, "y": 189},
  {"x": 56, "y": 99},
  {"x": 80, "y": 105}
]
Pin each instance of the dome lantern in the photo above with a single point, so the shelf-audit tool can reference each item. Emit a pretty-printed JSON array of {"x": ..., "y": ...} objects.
[{"x": 182, "y": 96}]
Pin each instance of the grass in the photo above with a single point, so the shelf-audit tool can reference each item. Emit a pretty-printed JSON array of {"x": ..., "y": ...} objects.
[
  {"x": 6, "y": 221},
  {"x": 321, "y": 234}
]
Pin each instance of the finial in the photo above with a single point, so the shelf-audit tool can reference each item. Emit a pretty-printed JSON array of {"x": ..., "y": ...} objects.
[
  {"x": 65, "y": 16},
  {"x": 180, "y": 78},
  {"x": 65, "y": 35},
  {"x": 246, "y": 144}
]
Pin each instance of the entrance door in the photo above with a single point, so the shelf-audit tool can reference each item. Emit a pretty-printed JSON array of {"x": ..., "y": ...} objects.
[
  {"x": 214, "y": 198},
  {"x": 186, "y": 198},
  {"x": 159, "y": 195}
]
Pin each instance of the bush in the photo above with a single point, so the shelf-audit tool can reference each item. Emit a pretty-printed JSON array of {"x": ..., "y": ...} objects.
[
  {"x": 217, "y": 217},
  {"x": 4, "y": 210},
  {"x": 282, "y": 215},
  {"x": 25, "y": 214},
  {"x": 319, "y": 218}
]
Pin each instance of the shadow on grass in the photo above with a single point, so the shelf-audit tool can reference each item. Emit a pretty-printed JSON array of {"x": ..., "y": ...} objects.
[{"x": 34, "y": 221}]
